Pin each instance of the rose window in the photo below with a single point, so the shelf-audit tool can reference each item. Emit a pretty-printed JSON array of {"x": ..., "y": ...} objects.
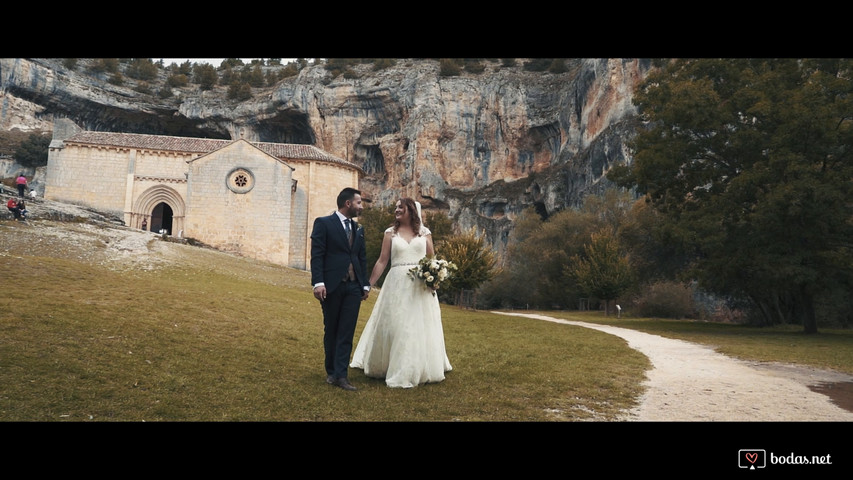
[{"x": 240, "y": 180}]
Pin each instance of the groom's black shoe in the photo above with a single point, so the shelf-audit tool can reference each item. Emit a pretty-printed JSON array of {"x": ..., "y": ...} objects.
[
  {"x": 344, "y": 383},
  {"x": 330, "y": 379}
]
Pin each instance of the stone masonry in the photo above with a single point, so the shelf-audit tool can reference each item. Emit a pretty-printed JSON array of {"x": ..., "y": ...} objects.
[{"x": 251, "y": 198}]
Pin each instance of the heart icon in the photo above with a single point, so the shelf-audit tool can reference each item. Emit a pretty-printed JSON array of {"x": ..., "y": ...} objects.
[{"x": 752, "y": 457}]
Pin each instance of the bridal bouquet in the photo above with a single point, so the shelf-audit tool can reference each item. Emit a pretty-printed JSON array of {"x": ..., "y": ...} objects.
[{"x": 433, "y": 271}]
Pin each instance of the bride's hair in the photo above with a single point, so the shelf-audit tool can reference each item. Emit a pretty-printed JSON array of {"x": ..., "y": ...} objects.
[{"x": 409, "y": 205}]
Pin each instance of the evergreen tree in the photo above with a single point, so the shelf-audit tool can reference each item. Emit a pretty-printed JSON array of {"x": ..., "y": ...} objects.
[
  {"x": 204, "y": 74},
  {"x": 32, "y": 152}
]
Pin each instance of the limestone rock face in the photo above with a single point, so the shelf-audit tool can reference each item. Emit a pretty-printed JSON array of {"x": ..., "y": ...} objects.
[{"x": 481, "y": 147}]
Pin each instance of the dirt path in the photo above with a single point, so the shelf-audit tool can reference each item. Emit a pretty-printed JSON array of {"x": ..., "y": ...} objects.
[{"x": 691, "y": 382}]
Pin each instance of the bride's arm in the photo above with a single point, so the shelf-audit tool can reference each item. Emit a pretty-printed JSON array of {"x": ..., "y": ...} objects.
[
  {"x": 382, "y": 261},
  {"x": 430, "y": 249}
]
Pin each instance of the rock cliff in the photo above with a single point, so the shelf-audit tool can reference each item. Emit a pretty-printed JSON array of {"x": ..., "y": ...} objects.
[{"x": 481, "y": 147}]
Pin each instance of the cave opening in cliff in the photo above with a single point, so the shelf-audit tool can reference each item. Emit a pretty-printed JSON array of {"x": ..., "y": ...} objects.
[
  {"x": 541, "y": 209},
  {"x": 286, "y": 127},
  {"x": 370, "y": 158}
]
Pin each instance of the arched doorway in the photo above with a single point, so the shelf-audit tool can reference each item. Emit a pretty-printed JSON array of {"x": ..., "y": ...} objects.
[
  {"x": 159, "y": 207},
  {"x": 161, "y": 218}
]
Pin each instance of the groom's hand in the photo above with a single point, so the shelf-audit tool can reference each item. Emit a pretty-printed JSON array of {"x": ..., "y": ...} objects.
[{"x": 320, "y": 292}]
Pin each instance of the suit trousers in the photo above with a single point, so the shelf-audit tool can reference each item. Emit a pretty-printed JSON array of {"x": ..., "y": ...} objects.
[{"x": 340, "y": 315}]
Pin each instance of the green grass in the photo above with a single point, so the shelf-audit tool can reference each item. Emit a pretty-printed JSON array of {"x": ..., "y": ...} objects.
[{"x": 217, "y": 338}]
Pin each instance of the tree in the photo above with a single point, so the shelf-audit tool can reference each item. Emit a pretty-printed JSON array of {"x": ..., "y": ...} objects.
[
  {"x": 654, "y": 256},
  {"x": 534, "y": 273},
  {"x": 475, "y": 263},
  {"x": 177, "y": 81},
  {"x": 204, "y": 74},
  {"x": 109, "y": 65},
  {"x": 32, "y": 152},
  {"x": 142, "y": 69},
  {"x": 439, "y": 225},
  {"x": 603, "y": 271},
  {"x": 749, "y": 162},
  {"x": 536, "y": 255},
  {"x": 449, "y": 67},
  {"x": 558, "y": 65},
  {"x": 231, "y": 63},
  {"x": 240, "y": 91},
  {"x": 116, "y": 79},
  {"x": 255, "y": 76},
  {"x": 516, "y": 283},
  {"x": 185, "y": 68},
  {"x": 375, "y": 221}
]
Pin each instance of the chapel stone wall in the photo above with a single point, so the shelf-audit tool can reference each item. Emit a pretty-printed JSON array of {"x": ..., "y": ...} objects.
[
  {"x": 162, "y": 164},
  {"x": 272, "y": 221},
  {"x": 93, "y": 177},
  {"x": 255, "y": 222},
  {"x": 318, "y": 185}
]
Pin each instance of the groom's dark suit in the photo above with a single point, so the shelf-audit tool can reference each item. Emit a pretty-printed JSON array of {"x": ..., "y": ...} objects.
[{"x": 331, "y": 256}]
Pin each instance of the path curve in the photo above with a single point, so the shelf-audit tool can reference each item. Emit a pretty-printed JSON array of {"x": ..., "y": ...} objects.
[{"x": 692, "y": 382}]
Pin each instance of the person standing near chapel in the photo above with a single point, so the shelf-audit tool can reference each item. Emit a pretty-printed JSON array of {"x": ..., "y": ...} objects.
[
  {"x": 339, "y": 277},
  {"x": 21, "y": 182}
]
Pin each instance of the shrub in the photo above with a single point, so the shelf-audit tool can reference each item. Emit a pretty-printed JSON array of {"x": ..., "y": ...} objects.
[
  {"x": 473, "y": 65},
  {"x": 448, "y": 67},
  {"x": 538, "y": 64},
  {"x": 558, "y": 65},
  {"x": 143, "y": 87},
  {"x": 142, "y": 69},
  {"x": 383, "y": 63},
  {"x": 665, "y": 299},
  {"x": 32, "y": 152},
  {"x": 205, "y": 76},
  {"x": 177, "y": 80},
  {"x": 240, "y": 91}
]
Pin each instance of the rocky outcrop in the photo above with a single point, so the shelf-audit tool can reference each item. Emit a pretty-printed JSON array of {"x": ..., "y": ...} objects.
[{"x": 481, "y": 147}]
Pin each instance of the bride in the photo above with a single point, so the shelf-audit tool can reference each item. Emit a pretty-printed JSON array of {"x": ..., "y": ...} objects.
[{"x": 403, "y": 340}]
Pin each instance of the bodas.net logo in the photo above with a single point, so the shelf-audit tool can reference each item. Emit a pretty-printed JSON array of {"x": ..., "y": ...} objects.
[{"x": 751, "y": 458}]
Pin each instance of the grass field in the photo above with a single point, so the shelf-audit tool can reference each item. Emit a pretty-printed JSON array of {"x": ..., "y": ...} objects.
[{"x": 200, "y": 336}]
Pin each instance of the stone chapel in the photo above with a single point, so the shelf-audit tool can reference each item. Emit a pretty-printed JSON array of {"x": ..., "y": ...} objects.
[{"x": 254, "y": 199}]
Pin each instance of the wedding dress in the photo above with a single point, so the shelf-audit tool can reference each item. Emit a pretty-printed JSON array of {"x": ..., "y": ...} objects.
[{"x": 403, "y": 340}]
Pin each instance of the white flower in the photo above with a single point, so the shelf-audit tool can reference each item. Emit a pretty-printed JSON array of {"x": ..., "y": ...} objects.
[{"x": 432, "y": 271}]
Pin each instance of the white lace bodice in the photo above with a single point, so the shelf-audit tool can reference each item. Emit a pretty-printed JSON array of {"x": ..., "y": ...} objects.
[{"x": 407, "y": 253}]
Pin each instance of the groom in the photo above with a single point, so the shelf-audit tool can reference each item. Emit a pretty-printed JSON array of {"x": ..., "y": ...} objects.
[{"x": 339, "y": 276}]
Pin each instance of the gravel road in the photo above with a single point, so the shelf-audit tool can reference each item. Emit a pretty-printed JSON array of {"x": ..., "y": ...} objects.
[{"x": 691, "y": 382}]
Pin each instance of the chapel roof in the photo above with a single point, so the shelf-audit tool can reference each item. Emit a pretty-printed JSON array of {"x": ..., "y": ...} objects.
[{"x": 201, "y": 146}]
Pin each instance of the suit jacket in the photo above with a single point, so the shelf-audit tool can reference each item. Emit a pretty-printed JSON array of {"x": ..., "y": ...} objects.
[{"x": 331, "y": 253}]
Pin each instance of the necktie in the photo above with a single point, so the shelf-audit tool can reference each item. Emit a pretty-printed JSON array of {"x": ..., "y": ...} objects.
[
  {"x": 350, "y": 271},
  {"x": 349, "y": 230}
]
